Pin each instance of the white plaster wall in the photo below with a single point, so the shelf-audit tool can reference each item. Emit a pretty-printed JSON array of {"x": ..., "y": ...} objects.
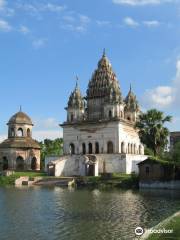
[
  {"x": 69, "y": 165},
  {"x": 91, "y": 133},
  {"x": 115, "y": 131},
  {"x": 132, "y": 161}
]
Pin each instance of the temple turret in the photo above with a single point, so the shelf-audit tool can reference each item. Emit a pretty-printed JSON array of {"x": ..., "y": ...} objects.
[
  {"x": 131, "y": 106},
  {"x": 76, "y": 105}
]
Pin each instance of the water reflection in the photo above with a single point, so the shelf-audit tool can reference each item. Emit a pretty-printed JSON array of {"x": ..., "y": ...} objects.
[{"x": 57, "y": 213}]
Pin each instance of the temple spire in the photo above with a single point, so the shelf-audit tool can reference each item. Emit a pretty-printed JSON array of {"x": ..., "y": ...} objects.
[
  {"x": 130, "y": 89},
  {"x": 104, "y": 52},
  {"x": 77, "y": 81}
]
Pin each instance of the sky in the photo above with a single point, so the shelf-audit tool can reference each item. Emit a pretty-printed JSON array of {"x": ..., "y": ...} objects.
[{"x": 44, "y": 44}]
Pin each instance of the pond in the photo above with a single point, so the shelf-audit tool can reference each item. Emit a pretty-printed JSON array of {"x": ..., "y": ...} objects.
[{"x": 67, "y": 214}]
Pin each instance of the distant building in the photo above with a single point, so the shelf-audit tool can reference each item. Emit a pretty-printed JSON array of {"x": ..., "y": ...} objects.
[
  {"x": 100, "y": 128},
  {"x": 158, "y": 174},
  {"x": 174, "y": 138},
  {"x": 20, "y": 151}
]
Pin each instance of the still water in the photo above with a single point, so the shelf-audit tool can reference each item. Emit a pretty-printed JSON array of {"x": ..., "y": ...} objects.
[{"x": 62, "y": 214}]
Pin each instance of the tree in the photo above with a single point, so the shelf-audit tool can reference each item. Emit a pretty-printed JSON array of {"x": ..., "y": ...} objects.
[
  {"x": 51, "y": 148},
  {"x": 152, "y": 131}
]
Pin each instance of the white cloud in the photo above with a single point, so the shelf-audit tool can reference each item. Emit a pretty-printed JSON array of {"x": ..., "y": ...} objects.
[
  {"x": 52, "y": 7},
  {"x": 101, "y": 23},
  {"x": 2, "y": 137},
  {"x": 164, "y": 96},
  {"x": 5, "y": 26},
  {"x": 161, "y": 96},
  {"x": 77, "y": 23},
  {"x": 141, "y": 2},
  {"x": 40, "y": 135},
  {"x": 84, "y": 19},
  {"x": 2, "y": 3},
  {"x": 130, "y": 22},
  {"x": 46, "y": 128},
  {"x": 152, "y": 23},
  {"x": 49, "y": 123},
  {"x": 23, "y": 29},
  {"x": 48, "y": 7},
  {"x": 69, "y": 18},
  {"x": 38, "y": 43}
]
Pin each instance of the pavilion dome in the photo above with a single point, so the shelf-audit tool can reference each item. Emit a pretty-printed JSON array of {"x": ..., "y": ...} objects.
[
  {"x": 20, "y": 118},
  {"x": 104, "y": 82}
]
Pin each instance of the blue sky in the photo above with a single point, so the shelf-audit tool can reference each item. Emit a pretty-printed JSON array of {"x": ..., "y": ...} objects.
[{"x": 44, "y": 44}]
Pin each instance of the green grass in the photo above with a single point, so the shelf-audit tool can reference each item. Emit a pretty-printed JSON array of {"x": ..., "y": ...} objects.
[
  {"x": 174, "y": 224},
  {"x": 119, "y": 180},
  {"x": 10, "y": 180}
]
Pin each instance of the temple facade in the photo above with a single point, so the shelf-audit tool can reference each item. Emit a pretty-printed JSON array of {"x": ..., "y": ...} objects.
[
  {"x": 102, "y": 121},
  {"x": 19, "y": 151},
  {"x": 99, "y": 133}
]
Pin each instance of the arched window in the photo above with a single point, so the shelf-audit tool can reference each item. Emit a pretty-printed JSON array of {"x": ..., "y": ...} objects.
[
  {"x": 129, "y": 148},
  {"x": 134, "y": 148},
  {"x": 110, "y": 114},
  {"x": 19, "y": 163},
  {"x": 12, "y": 132},
  {"x": 5, "y": 163},
  {"x": 72, "y": 117},
  {"x": 140, "y": 149},
  {"x": 72, "y": 148},
  {"x": 20, "y": 132},
  {"x": 96, "y": 147},
  {"x": 109, "y": 147},
  {"x": 34, "y": 163},
  {"x": 90, "y": 148},
  {"x": 84, "y": 148},
  {"x": 123, "y": 148},
  {"x": 28, "y": 132}
]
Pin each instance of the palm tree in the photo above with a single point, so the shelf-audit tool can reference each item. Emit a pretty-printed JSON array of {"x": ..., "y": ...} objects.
[{"x": 152, "y": 131}]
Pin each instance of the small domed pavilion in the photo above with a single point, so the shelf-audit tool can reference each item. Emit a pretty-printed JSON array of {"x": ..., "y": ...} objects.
[{"x": 20, "y": 151}]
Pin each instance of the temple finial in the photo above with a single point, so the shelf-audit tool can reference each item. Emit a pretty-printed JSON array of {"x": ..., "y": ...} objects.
[
  {"x": 130, "y": 87},
  {"x": 20, "y": 108},
  {"x": 104, "y": 52},
  {"x": 77, "y": 80}
]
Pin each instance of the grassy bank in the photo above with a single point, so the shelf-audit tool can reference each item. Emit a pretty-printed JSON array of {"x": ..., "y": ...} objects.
[
  {"x": 10, "y": 180},
  {"x": 119, "y": 180},
  {"x": 105, "y": 181},
  {"x": 174, "y": 224}
]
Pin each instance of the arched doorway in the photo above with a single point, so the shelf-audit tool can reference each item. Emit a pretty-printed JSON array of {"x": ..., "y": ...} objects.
[
  {"x": 84, "y": 148},
  {"x": 96, "y": 147},
  {"x": 72, "y": 148},
  {"x": 19, "y": 163},
  {"x": 5, "y": 163},
  {"x": 90, "y": 148},
  {"x": 110, "y": 114},
  {"x": 34, "y": 163},
  {"x": 109, "y": 147}
]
